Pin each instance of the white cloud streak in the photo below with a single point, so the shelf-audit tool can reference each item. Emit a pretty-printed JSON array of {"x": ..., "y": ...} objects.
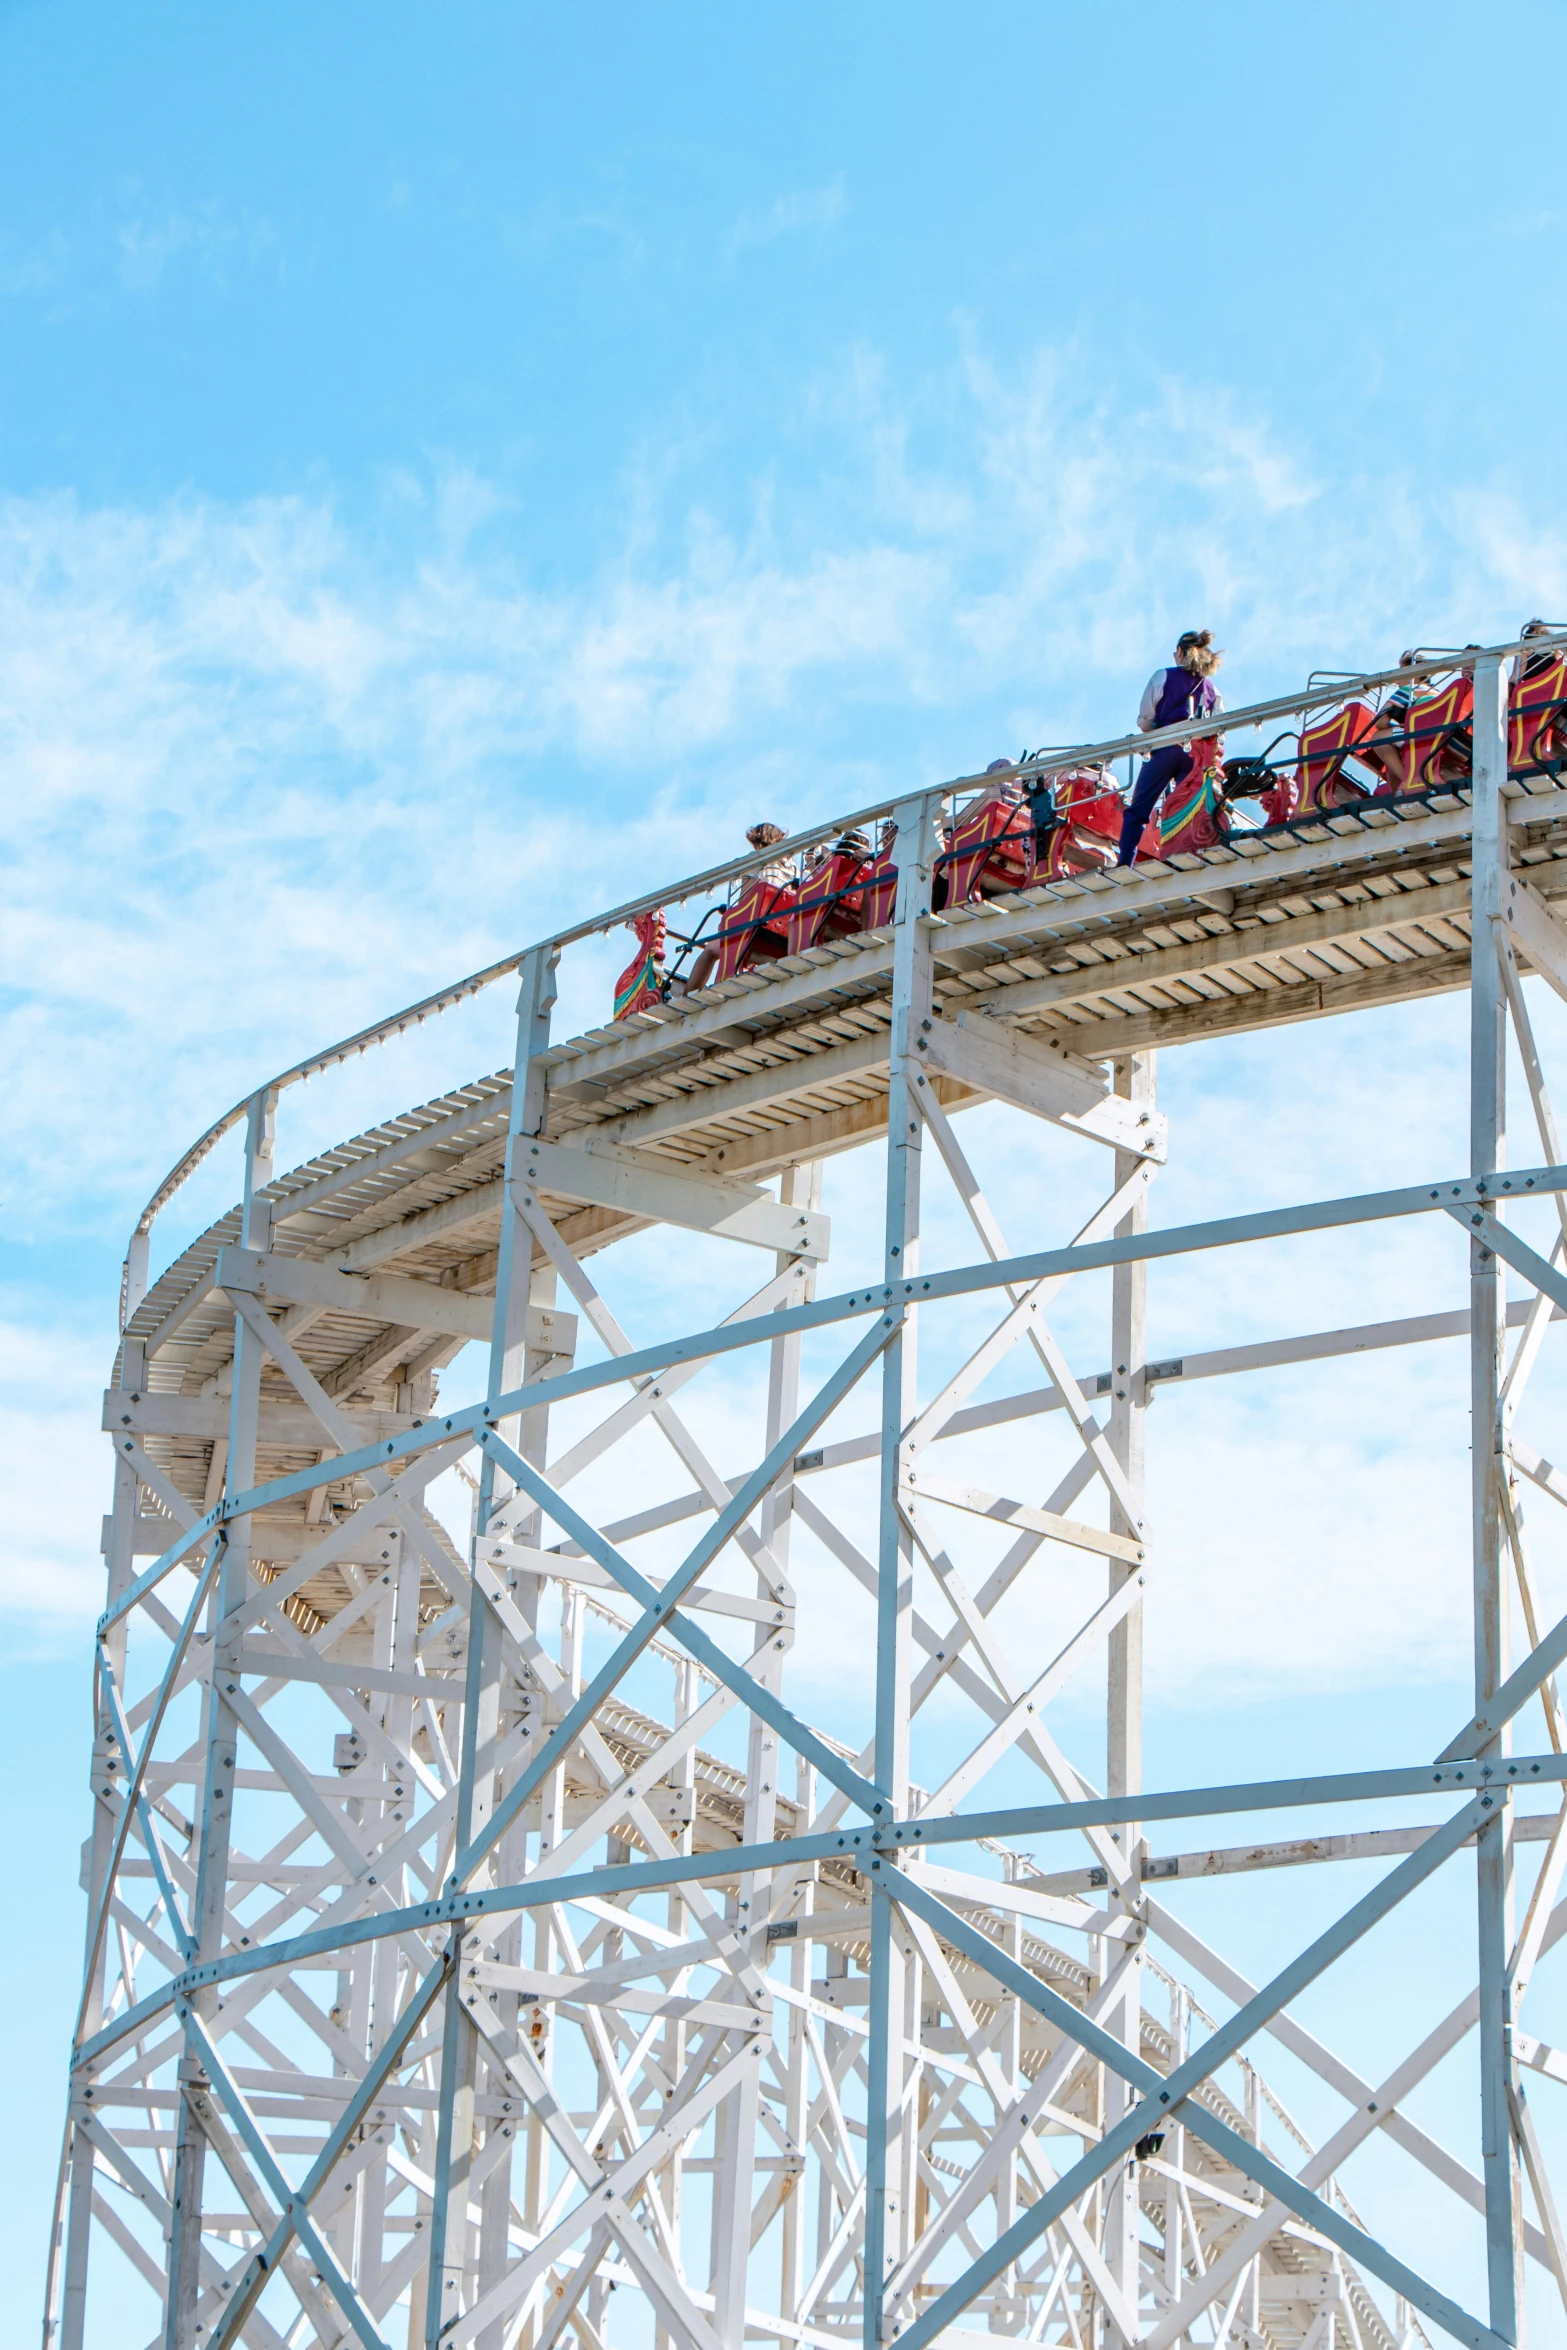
[{"x": 788, "y": 215}]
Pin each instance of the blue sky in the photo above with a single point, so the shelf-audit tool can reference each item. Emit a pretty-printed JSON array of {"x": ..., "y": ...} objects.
[{"x": 458, "y": 464}]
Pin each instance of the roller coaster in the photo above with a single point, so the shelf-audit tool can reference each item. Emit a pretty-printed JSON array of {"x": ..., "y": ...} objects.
[{"x": 485, "y": 1945}]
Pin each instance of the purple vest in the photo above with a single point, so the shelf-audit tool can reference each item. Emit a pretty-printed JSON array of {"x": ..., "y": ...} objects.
[{"x": 1184, "y": 696}]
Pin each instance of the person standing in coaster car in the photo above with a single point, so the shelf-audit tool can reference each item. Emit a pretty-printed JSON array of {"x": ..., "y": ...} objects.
[{"x": 1170, "y": 698}]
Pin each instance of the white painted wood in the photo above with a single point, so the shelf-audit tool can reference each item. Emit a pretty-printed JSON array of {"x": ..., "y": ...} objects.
[
  {"x": 641, "y": 1186},
  {"x": 383, "y": 1297},
  {"x": 1537, "y": 929},
  {"x": 1052, "y": 1085},
  {"x": 373, "y": 1687}
]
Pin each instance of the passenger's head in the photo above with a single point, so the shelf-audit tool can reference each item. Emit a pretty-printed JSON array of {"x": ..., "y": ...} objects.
[
  {"x": 763, "y": 836},
  {"x": 1535, "y": 628},
  {"x": 1197, "y": 652}
]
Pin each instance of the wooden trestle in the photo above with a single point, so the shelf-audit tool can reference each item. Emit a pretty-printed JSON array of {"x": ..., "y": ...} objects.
[{"x": 365, "y": 1271}]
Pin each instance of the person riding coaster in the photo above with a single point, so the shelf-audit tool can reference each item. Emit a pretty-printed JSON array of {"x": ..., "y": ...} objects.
[
  {"x": 1423, "y": 735},
  {"x": 830, "y": 901},
  {"x": 1026, "y": 827},
  {"x": 746, "y": 928},
  {"x": 1172, "y": 697}
]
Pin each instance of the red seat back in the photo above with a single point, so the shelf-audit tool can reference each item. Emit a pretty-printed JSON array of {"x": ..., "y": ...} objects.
[
  {"x": 828, "y": 905},
  {"x": 754, "y": 926},
  {"x": 880, "y": 890},
  {"x": 1320, "y": 781},
  {"x": 1439, "y": 735},
  {"x": 1090, "y": 801},
  {"x": 993, "y": 841},
  {"x": 1537, "y": 715}
]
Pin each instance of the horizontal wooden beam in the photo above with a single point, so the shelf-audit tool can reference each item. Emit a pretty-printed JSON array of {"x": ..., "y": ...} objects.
[
  {"x": 1236, "y": 1860},
  {"x": 686, "y": 1030},
  {"x": 800, "y": 1142},
  {"x": 277, "y": 1545},
  {"x": 422, "y": 1229},
  {"x": 1059, "y": 1086},
  {"x": 639, "y": 1185},
  {"x": 206, "y": 1419},
  {"x": 389, "y": 1298},
  {"x": 1537, "y": 931}
]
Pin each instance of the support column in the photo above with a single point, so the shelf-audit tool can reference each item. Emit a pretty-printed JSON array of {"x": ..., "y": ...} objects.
[
  {"x": 108, "y": 1763},
  {"x": 1134, "y": 1080},
  {"x": 1487, "y": 1327},
  {"x": 221, "y": 1738},
  {"x": 886, "y": 2200},
  {"x": 450, "y": 2262},
  {"x": 734, "y": 2186}
]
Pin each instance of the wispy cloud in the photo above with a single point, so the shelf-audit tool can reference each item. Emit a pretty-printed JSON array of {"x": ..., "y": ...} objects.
[
  {"x": 269, "y": 775},
  {"x": 802, "y": 208},
  {"x": 131, "y": 245}
]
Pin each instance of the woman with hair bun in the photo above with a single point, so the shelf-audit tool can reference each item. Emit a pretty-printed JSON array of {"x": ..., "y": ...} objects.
[{"x": 1170, "y": 698}]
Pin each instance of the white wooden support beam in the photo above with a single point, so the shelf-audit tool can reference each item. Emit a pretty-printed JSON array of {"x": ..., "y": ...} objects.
[
  {"x": 1491, "y": 894},
  {"x": 1134, "y": 1080},
  {"x": 207, "y": 1417},
  {"x": 381, "y": 1297},
  {"x": 638, "y": 1185},
  {"x": 1053, "y": 1085},
  {"x": 1127, "y": 1548},
  {"x": 1537, "y": 930}
]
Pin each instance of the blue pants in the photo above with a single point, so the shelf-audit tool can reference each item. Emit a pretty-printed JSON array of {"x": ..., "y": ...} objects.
[{"x": 1160, "y": 769}]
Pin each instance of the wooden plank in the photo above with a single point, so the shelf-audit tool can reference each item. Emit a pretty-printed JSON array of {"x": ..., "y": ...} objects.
[
  {"x": 1234, "y": 949},
  {"x": 1002, "y": 1512},
  {"x": 756, "y": 1088},
  {"x": 1237, "y": 1015}
]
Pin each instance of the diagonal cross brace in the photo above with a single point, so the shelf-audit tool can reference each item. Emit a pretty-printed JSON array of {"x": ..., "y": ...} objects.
[
  {"x": 296, "y": 2202},
  {"x": 1161, "y": 2095},
  {"x": 255, "y": 2141},
  {"x": 1514, "y": 1693},
  {"x": 1490, "y": 1233},
  {"x": 178, "y": 1926},
  {"x": 659, "y": 1614},
  {"x": 138, "y": 1770},
  {"x": 660, "y": 1611}
]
